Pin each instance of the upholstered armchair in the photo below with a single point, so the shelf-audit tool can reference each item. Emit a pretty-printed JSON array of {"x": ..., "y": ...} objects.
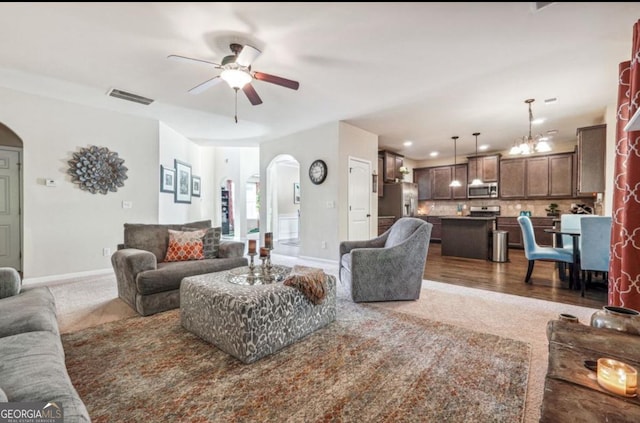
[{"x": 389, "y": 267}]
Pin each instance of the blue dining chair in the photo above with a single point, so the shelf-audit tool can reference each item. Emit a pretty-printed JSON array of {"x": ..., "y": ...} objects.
[
  {"x": 595, "y": 244},
  {"x": 533, "y": 251}
]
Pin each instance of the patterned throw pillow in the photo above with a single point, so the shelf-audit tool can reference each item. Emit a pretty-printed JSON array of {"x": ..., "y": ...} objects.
[
  {"x": 308, "y": 280},
  {"x": 211, "y": 241},
  {"x": 185, "y": 246}
]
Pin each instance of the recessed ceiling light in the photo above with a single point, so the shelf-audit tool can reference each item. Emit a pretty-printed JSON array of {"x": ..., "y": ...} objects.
[
  {"x": 550, "y": 100},
  {"x": 552, "y": 131},
  {"x": 538, "y": 121},
  {"x": 407, "y": 143},
  {"x": 433, "y": 153},
  {"x": 483, "y": 147}
]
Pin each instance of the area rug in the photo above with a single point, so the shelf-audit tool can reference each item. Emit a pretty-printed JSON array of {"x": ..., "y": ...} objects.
[{"x": 370, "y": 364}]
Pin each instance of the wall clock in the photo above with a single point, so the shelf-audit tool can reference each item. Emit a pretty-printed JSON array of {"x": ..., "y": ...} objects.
[{"x": 318, "y": 172}]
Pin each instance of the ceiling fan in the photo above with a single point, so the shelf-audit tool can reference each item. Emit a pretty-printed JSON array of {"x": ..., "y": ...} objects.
[{"x": 236, "y": 71}]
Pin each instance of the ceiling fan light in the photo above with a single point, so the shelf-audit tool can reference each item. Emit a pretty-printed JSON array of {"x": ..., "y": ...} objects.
[{"x": 235, "y": 78}]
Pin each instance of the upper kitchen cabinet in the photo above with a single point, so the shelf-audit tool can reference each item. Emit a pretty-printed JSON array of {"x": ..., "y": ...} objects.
[
  {"x": 591, "y": 156},
  {"x": 441, "y": 179},
  {"x": 460, "y": 173},
  {"x": 537, "y": 177},
  {"x": 380, "y": 187},
  {"x": 392, "y": 164},
  {"x": 487, "y": 167},
  {"x": 422, "y": 177}
]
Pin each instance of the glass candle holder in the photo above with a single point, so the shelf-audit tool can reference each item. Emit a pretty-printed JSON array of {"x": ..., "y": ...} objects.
[{"x": 617, "y": 377}]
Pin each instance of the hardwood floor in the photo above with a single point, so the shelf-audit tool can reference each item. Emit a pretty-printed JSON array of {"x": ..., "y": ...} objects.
[{"x": 509, "y": 278}]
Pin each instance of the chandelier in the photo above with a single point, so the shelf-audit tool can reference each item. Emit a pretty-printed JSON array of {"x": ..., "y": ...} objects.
[{"x": 530, "y": 144}]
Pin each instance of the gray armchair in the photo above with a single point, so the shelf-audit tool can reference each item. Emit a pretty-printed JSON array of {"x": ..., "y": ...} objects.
[{"x": 389, "y": 267}]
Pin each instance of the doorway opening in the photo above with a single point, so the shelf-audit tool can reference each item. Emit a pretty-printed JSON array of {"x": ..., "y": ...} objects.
[
  {"x": 284, "y": 198},
  {"x": 11, "y": 201},
  {"x": 227, "y": 220}
]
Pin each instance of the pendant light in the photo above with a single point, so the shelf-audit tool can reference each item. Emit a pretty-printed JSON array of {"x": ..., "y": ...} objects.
[
  {"x": 476, "y": 180},
  {"x": 455, "y": 183}
]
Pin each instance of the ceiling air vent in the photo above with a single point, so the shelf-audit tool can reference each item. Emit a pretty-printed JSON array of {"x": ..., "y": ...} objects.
[{"x": 129, "y": 96}]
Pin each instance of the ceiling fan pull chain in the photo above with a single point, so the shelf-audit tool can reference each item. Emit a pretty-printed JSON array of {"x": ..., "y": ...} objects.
[{"x": 236, "y": 110}]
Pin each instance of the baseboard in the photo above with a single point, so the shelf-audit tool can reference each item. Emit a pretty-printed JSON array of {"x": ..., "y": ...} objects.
[{"x": 65, "y": 276}]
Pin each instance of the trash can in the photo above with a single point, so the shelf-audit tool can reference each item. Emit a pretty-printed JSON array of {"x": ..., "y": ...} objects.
[{"x": 500, "y": 251}]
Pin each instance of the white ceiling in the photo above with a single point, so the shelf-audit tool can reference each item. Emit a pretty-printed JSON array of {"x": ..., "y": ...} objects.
[{"x": 405, "y": 71}]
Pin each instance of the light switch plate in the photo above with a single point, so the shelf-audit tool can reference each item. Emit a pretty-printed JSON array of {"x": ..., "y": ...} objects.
[
  {"x": 127, "y": 204},
  {"x": 50, "y": 182}
]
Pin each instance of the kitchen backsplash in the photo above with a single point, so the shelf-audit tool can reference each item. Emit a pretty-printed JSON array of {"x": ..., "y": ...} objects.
[{"x": 507, "y": 207}]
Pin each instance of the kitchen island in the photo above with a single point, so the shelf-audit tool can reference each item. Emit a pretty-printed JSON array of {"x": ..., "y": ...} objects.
[{"x": 465, "y": 236}]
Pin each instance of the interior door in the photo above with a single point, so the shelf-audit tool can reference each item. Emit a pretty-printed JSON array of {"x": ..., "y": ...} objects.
[
  {"x": 10, "y": 243},
  {"x": 359, "y": 199}
]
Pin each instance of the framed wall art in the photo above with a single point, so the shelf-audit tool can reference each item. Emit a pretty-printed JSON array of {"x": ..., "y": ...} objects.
[
  {"x": 195, "y": 186},
  {"x": 167, "y": 179},
  {"x": 183, "y": 182}
]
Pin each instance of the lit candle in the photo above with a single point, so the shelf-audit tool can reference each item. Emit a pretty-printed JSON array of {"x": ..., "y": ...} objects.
[
  {"x": 264, "y": 252},
  {"x": 617, "y": 377},
  {"x": 252, "y": 246},
  {"x": 268, "y": 240}
]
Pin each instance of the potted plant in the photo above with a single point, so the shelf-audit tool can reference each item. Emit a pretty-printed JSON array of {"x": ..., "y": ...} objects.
[{"x": 552, "y": 210}]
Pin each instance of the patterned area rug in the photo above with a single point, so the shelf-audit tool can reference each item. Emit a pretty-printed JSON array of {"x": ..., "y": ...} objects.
[{"x": 371, "y": 364}]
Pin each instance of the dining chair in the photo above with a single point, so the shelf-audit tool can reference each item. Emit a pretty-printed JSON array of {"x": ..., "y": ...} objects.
[
  {"x": 533, "y": 251},
  {"x": 595, "y": 245}
]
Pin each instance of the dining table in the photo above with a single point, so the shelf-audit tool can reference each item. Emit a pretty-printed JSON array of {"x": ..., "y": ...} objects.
[{"x": 575, "y": 238}]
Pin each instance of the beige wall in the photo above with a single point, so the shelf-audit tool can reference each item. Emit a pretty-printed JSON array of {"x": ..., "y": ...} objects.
[{"x": 65, "y": 228}]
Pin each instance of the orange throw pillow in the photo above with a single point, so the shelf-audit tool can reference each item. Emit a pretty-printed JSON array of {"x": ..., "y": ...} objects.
[{"x": 185, "y": 246}]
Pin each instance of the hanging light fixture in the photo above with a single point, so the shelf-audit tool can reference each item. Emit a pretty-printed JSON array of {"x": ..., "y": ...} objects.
[
  {"x": 455, "y": 183},
  {"x": 476, "y": 180},
  {"x": 530, "y": 143}
]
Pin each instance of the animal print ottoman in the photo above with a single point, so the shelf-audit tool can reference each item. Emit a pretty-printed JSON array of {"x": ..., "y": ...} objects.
[{"x": 251, "y": 321}]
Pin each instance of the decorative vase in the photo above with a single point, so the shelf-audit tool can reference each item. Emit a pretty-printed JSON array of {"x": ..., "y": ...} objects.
[{"x": 618, "y": 318}]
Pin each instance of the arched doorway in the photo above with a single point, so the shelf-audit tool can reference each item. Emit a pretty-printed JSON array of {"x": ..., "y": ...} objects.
[
  {"x": 284, "y": 198},
  {"x": 10, "y": 203}
]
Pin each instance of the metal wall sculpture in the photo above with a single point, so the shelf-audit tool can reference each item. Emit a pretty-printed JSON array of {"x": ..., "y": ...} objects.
[{"x": 96, "y": 169}]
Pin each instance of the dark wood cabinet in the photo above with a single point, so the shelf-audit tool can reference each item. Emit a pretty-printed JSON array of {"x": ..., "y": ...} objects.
[
  {"x": 512, "y": 178},
  {"x": 422, "y": 177},
  {"x": 392, "y": 164},
  {"x": 487, "y": 167},
  {"x": 441, "y": 178},
  {"x": 537, "y": 177},
  {"x": 436, "y": 229},
  {"x": 510, "y": 224},
  {"x": 549, "y": 176},
  {"x": 561, "y": 180},
  {"x": 460, "y": 174},
  {"x": 591, "y": 159},
  {"x": 384, "y": 223}
]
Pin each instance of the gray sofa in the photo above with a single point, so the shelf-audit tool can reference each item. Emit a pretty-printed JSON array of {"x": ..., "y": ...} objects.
[
  {"x": 389, "y": 267},
  {"x": 150, "y": 285},
  {"x": 32, "y": 366}
]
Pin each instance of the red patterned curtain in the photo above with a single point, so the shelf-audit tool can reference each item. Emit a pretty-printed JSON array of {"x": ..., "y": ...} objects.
[{"x": 624, "y": 269}]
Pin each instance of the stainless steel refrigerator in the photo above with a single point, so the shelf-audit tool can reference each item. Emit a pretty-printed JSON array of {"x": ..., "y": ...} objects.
[{"x": 399, "y": 200}]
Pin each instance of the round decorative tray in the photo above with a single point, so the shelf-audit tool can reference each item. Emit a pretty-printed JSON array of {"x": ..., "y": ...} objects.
[{"x": 242, "y": 275}]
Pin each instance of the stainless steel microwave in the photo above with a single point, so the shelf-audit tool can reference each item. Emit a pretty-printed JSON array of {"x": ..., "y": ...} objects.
[{"x": 485, "y": 190}]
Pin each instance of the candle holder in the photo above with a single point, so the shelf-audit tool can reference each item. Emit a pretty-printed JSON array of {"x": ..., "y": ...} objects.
[
  {"x": 252, "y": 267},
  {"x": 617, "y": 377},
  {"x": 266, "y": 267}
]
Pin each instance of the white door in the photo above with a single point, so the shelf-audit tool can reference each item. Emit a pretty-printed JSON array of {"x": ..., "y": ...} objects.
[
  {"x": 10, "y": 209},
  {"x": 359, "y": 199}
]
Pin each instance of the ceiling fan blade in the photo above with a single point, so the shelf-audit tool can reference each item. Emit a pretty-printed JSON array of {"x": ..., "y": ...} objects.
[
  {"x": 288, "y": 83},
  {"x": 251, "y": 94},
  {"x": 247, "y": 55},
  {"x": 190, "y": 59},
  {"x": 205, "y": 85}
]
